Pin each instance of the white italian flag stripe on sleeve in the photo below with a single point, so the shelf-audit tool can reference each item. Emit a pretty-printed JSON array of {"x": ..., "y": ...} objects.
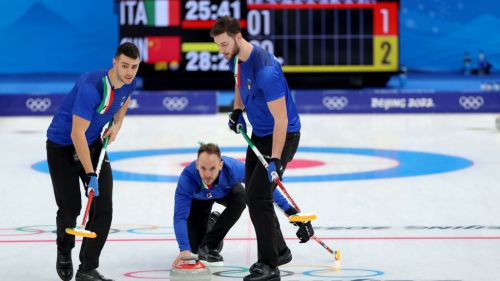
[{"x": 108, "y": 96}]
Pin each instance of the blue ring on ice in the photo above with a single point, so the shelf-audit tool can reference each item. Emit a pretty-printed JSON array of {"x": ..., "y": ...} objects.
[{"x": 410, "y": 164}]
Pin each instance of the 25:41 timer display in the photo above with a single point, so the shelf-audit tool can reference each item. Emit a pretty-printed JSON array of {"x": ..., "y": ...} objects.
[{"x": 206, "y": 10}]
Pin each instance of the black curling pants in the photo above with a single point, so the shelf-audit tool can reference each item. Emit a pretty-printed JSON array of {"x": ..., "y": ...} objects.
[
  {"x": 66, "y": 173},
  {"x": 200, "y": 211},
  {"x": 270, "y": 240}
]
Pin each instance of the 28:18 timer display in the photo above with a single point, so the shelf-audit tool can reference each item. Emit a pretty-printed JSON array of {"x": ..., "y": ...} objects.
[{"x": 206, "y": 61}]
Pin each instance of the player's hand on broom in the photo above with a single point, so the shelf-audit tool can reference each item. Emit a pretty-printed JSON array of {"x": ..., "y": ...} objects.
[
  {"x": 305, "y": 231},
  {"x": 112, "y": 132},
  {"x": 236, "y": 118},
  {"x": 92, "y": 184},
  {"x": 275, "y": 169},
  {"x": 179, "y": 260},
  {"x": 291, "y": 211}
]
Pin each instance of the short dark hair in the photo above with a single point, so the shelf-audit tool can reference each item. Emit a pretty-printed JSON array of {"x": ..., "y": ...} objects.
[
  {"x": 210, "y": 148},
  {"x": 128, "y": 49},
  {"x": 225, "y": 24}
]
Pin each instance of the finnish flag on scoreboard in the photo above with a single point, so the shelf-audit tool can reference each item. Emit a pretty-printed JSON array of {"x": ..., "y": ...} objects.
[{"x": 163, "y": 12}]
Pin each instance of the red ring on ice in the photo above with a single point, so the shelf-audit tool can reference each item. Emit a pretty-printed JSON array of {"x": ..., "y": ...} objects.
[{"x": 136, "y": 274}]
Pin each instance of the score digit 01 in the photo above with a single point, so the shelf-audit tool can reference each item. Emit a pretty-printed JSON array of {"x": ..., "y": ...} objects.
[{"x": 259, "y": 23}]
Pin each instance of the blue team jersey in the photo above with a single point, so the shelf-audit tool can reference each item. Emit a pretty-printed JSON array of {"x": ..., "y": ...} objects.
[
  {"x": 190, "y": 186},
  {"x": 261, "y": 80},
  {"x": 84, "y": 100}
]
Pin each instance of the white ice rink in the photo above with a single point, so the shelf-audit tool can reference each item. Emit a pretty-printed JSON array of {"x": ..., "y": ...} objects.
[{"x": 403, "y": 197}]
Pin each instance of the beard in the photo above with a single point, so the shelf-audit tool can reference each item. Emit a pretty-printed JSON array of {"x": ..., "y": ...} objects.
[{"x": 234, "y": 52}]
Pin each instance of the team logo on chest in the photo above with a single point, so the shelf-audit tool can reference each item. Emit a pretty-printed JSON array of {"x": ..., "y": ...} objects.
[
  {"x": 122, "y": 101},
  {"x": 204, "y": 186}
]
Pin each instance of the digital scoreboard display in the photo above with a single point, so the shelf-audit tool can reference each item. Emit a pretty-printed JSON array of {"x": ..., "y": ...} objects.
[{"x": 322, "y": 43}]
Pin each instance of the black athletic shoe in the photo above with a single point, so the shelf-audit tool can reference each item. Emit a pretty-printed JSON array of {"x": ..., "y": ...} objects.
[
  {"x": 263, "y": 272},
  {"x": 64, "y": 266},
  {"x": 90, "y": 275},
  {"x": 284, "y": 258},
  {"x": 209, "y": 255}
]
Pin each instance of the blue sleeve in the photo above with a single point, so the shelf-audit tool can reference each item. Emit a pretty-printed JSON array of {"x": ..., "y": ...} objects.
[
  {"x": 280, "y": 200},
  {"x": 239, "y": 171},
  {"x": 270, "y": 83},
  {"x": 182, "y": 207},
  {"x": 87, "y": 101},
  {"x": 236, "y": 169}
]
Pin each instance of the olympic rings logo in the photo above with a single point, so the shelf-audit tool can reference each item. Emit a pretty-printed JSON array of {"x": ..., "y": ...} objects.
[
  {"x": 151, "y": 230},
  {"x": 335, "y": 103},
  {"x": 175, "y": 103},
  {"x": 38, "y": 104},
  {"x": 304, "y": 272},
  {"x": 471, "y": 102}
]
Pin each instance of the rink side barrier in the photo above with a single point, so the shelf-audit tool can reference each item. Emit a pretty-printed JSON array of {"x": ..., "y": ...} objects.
[
  {"x": 307, "y": 101},
  {"x": 141, "y": 103},
  {"x": 396, "y": 101}
]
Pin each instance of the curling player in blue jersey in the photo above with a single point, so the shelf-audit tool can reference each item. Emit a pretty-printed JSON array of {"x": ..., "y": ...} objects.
[
  {"x": 262, "y": 90},
  {"x": 73, "y": 147},
  {"x": 213, "y": 178}
]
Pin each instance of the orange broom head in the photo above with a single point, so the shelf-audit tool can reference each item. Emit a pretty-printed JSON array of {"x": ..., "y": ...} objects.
[
  {"x": 302, "y": 217},
  {"x": 77, "y": 231}
]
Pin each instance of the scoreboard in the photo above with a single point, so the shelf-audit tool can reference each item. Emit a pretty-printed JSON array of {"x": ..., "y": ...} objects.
[{"x": 320, "y": 43}]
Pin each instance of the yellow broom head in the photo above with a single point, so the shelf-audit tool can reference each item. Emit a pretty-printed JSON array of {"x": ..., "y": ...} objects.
[
  {"x": 302, "y": 217},
  {"x": 77, "y": 231},
  {"x": 336, "y": 263},
  {"x": 336, "y": 266}
]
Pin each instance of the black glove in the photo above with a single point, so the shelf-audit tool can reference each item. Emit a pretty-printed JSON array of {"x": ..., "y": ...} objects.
[
  {"x": 291, "y": 211},
  {"x": 274, "y": 166},
  {"x": 305, "y": 231},
  {"x": 235, "y": 118}
]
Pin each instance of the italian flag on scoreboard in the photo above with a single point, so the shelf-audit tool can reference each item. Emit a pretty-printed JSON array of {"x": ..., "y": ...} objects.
[{"x": 163, "y": 12}]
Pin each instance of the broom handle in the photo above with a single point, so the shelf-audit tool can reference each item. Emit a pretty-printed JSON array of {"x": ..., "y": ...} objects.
[
  {"x": 282, "y": 187},
  {"x": 97, "y": 171},
  {"x": 264, "y": 162}
]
